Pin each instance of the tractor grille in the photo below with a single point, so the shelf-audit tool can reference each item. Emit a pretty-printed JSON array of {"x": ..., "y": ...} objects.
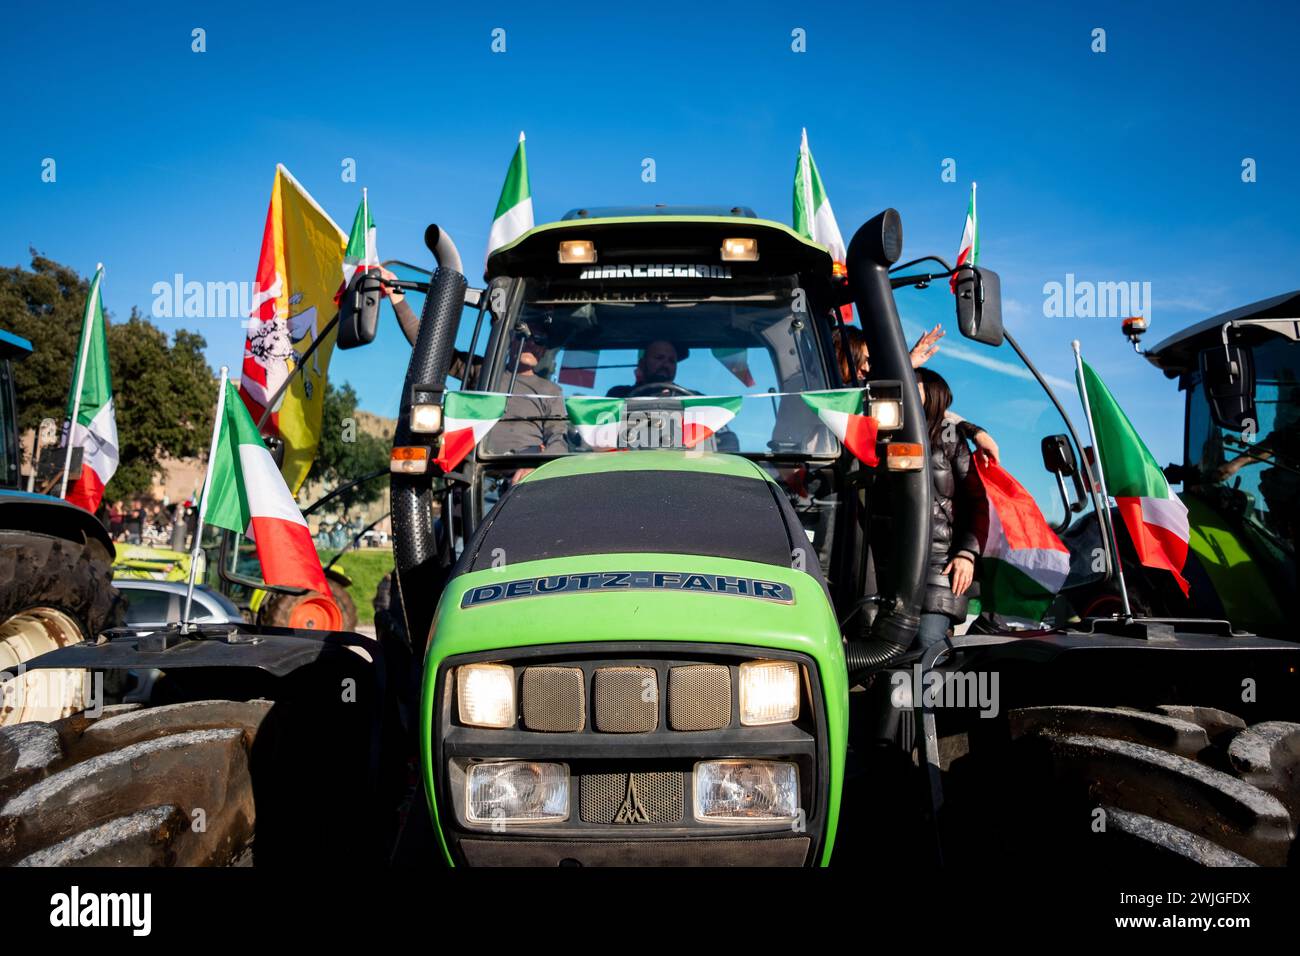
[
  {"x": 626, "y": 700},
  {"x": 699, "y": 697},
  {"x": 630, "y": 798},
  {"x": 553, "y": 699}
]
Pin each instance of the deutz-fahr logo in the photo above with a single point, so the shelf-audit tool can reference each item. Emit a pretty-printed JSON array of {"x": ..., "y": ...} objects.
[
  {"x": 632, "y": 810},
  {"x": 662, "y": 270},
  {"x": 629, "y": 580}
]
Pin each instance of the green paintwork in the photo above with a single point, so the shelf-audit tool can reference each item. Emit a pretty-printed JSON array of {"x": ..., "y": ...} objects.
[
  {"x": 1244, "y": 592},
  {"x": 592, "y": 463},
  {"x": 806, "y": 626}
]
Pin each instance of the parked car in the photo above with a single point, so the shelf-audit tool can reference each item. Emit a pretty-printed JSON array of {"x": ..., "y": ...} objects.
[{"x": 152, "y": 603}]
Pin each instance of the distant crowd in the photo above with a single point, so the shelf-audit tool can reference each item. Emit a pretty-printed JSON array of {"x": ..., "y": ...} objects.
[{"x": 143, "y": 521}]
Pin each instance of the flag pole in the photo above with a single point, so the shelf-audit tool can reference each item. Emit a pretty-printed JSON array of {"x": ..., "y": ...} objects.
[
  {"x": 197, "y": 546},
  {"x": 81, "y": 373},
  {"x": 1101, "y": 481}
]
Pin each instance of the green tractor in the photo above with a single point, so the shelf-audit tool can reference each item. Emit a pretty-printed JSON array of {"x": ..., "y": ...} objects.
[
  {"x": 703, "y": 654},
  {"x": 1240, "y": 373},
  {"x": 691, "y": 642}
]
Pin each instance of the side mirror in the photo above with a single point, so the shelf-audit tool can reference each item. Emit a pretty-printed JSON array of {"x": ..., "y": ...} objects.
[
  {"x": 275, "y": 445},
  {"x": 979, "y": 304},
  {"x": 359, "y": 310},
  {"x": 1228, "y": 374}
]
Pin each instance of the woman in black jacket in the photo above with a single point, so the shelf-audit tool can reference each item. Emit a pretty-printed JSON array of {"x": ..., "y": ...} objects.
[{"x": 953, "y": 545}]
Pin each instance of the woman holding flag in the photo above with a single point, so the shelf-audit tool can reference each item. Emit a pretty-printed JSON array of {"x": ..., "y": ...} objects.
[{"x": 953, "y": 507}]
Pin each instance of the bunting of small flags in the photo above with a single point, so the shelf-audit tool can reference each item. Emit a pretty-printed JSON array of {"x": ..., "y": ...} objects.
[{"x": 841, "y": 411}]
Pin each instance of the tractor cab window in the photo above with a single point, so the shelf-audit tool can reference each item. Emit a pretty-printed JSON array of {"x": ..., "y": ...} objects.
[
  {"x": 994, "y": 389},
  {"x": 702, "y": 365},
  {"x": 1255, "y": 473}
]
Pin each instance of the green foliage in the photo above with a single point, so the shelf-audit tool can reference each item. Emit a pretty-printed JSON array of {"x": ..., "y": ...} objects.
[
  {"x": 364, "y": 567},
  {"x": 164, "y": 393},
  {"x": 346, "y": 452}
]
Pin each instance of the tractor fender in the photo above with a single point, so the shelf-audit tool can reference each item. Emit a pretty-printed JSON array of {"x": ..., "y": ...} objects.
[{"x": 43, "y": 514}]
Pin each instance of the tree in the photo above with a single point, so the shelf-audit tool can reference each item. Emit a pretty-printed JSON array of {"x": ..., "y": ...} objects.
[
  {"x": 164, "y": 394},
  {"x": 346, "y": 452}
]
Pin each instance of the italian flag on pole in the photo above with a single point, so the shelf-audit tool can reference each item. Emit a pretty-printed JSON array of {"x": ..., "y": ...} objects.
[
  {"x": 467, "y": 417},
  {"x": 813, "y": 217},
  {"x": 1156, "y": 520},
  {"x": 247, "y": 495},
  {"x": 841, "y": 411},
  {"x": 1023, "y": 564},
  {"x": 90, "y": 407},
  {"x": 514, "y": 215},
  {"x": 968, "y": 253},
  {"x": 362, "y": 252}
]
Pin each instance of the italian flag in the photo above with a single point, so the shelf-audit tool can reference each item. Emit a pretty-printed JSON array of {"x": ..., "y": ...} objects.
[
  {"x": 841, "y": 411},
  {"x": 1023, "y": 564},
  {"x": 514, "y": 215},
  {"x": 1155, "y": 519},
  {"x": 362, "y": 252},
  {"x": 467, "y": 417},
  {"x": 702, "y": 418},
  {"x": 968, "y": 253},
  {"x": 736, "y": 362},
  {"x": 90, "y": 406},
  {"x": 597, "y": 420},
  {"x": 579, "y": 368},
  {"x": 247, "y": 494},
  {"x": 813, "y": 217}
]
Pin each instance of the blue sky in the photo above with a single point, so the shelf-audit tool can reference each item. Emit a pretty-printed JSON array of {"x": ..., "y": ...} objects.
[{"x": 1115, "y": 166}]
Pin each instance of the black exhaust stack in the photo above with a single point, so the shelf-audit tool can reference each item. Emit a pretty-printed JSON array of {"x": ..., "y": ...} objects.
[
  {"x": 423, "y": 558},
  {"x": 874, "y": 248}
]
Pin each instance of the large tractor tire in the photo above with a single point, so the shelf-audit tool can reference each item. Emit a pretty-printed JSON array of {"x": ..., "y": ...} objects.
[
  {"x": 1192, "y": 785},
  {"x": 53, "y": 592},
  {"x": 160, "y": 786}
]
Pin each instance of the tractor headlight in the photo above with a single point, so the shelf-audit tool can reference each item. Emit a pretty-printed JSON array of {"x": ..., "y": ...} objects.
[
  {"x": 888, "y": 413},
  {"x": 426, "y": 418},
  {"x": 746, "y": 791},
  {"x": 517, "y": 791},
  {"x": 577, "y": 251},
  {"x": 739, "y": 250},
  {"x": 769, "y": 692},
  {"x": 485, "y": 695}
]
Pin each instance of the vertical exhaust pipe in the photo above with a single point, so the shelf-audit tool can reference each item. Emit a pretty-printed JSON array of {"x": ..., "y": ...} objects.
[
  {"x": 874, "y": 248},
  {"x": 423, "y": 558}
]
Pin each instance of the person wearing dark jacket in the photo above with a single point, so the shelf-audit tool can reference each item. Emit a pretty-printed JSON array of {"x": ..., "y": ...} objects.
[{"x": 953, "y": 544}]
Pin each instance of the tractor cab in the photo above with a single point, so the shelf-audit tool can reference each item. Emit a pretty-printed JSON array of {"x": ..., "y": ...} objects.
[{"x": 1240, "y": 374}]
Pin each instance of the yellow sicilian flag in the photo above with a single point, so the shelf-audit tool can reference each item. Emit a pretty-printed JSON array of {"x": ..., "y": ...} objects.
[{"x": 293, "y": 300}]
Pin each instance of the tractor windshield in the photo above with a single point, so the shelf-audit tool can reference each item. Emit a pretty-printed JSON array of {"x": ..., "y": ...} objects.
[
  {"x": 685, "y": 365},
  {"x": 1253, "y": 474}
]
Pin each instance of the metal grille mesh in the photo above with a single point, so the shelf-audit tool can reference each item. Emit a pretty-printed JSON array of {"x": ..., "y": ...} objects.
[
  {"x": 621, "y": 798},
  {"x": 627, "y": 700},
  {"x": 553, "y": 699},
  {"x": 699, "y": 697}
]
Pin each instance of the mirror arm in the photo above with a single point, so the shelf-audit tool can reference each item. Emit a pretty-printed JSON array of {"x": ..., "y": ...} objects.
[
  {"x": 1065, "y": 500},
  {"x": 1060, "y": 409}
]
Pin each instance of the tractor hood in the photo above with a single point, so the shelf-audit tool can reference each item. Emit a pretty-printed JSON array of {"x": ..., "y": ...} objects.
[
  {"x": 649, "y": 545},
  {"x": 659, "y": 502}
]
